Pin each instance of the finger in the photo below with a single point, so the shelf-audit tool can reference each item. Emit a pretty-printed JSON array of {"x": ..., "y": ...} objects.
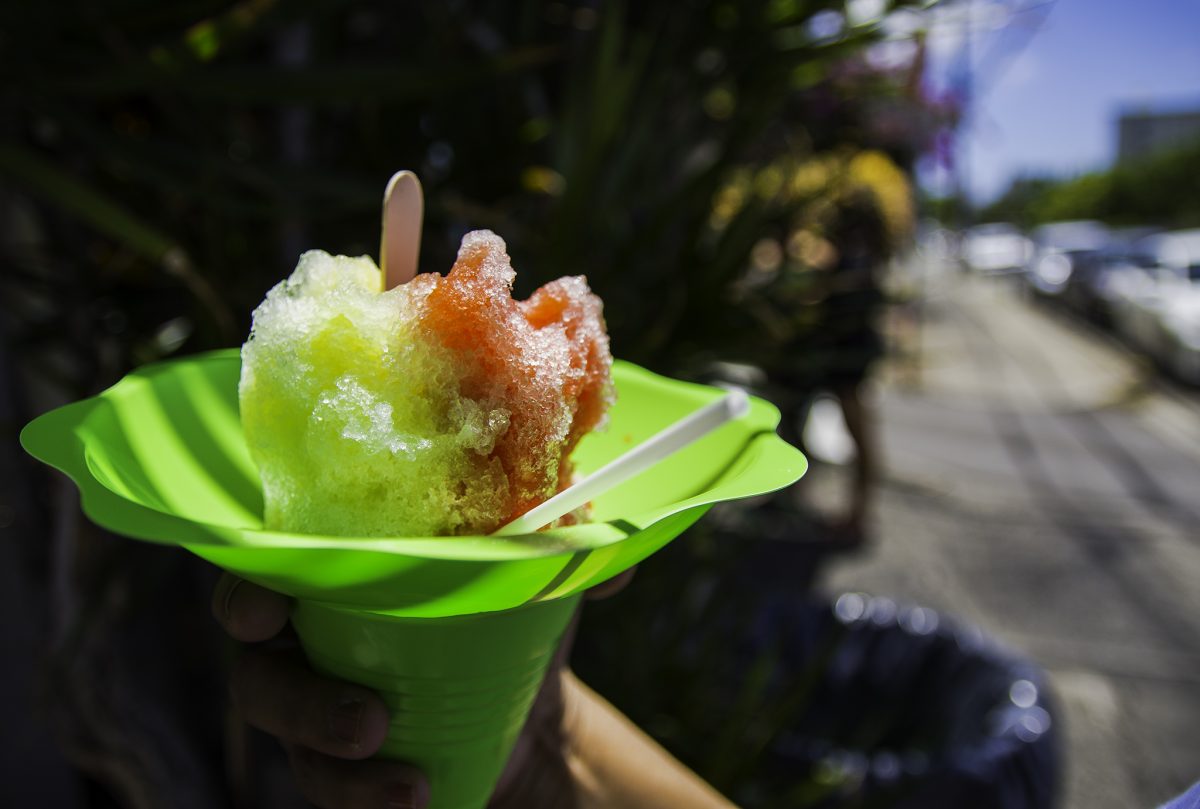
[
  {"x": 333, "y": 783},
  {"x": 613, "y": 586},
  {"x": 248, "y": 612},
  {"x": 277, "y": 692}
]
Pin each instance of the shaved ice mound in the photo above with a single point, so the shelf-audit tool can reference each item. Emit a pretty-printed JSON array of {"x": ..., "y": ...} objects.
[{"x": 440, "y": 407}]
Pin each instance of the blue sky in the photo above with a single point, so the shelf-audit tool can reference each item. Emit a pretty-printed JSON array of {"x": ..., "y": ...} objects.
[{"x": 1051, "y": 106}]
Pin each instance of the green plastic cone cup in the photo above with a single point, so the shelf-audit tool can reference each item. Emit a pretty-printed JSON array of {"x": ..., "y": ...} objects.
[
  {"x": 458, "y": 688},
  {"x": 455, "y": 632}
]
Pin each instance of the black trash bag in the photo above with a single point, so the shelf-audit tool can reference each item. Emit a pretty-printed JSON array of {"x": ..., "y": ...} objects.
[
  {"x": 897, "y": 706},
  {"x": 782, "y": 701}
]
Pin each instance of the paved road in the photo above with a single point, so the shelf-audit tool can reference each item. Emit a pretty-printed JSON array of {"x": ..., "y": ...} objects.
[{"x": 1039, "y": 486}]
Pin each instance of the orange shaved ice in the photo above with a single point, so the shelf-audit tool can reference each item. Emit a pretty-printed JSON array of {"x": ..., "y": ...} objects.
[
  {"x": 544, "y": 360},
  {"x": 440, "y": 407}
]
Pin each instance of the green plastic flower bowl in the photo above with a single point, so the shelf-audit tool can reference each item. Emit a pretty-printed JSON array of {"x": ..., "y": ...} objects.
[
  {"x": 456, "y": 633},
  {"x": 160, "y": 456}
]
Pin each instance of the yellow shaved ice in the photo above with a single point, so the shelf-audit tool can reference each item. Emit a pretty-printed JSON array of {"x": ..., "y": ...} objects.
[{"x": 354, "y": 423}]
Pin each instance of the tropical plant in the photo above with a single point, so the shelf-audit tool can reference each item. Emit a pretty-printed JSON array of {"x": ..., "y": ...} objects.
[{"x": 1156, "y": 190}]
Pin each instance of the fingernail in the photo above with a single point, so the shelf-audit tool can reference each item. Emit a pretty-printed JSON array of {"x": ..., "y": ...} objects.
[
  {"x": 401, "y": 795},
  {"x": 346, "y": 720}
]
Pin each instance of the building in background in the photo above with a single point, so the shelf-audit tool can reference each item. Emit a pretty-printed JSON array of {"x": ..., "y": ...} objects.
[{"x": 1143, "y": 132}]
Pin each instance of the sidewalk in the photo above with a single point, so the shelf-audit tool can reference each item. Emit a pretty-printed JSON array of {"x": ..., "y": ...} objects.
[{"x": 1040, "y": 484}]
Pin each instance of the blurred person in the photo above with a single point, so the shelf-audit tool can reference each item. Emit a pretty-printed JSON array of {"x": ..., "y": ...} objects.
[
  {"x": 576, "y": 750},
  {"x": 840, "y": 342},
  {"x": 858, "y": 236}
]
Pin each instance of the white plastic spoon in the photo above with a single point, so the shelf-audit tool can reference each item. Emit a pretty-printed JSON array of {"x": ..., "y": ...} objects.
[{"x": 645, "y": 455}]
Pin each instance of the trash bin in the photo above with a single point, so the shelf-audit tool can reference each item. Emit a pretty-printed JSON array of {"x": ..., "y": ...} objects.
[
  {"x": 785, "y": 699},
  {"x": 899, "y": 706}
]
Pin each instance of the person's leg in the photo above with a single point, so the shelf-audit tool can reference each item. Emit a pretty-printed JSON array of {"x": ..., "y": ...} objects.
[{"x": 860, "y": 423}]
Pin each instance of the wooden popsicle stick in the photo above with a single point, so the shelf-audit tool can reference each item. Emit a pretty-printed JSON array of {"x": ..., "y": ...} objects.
[{"x": 400, "y": 243}]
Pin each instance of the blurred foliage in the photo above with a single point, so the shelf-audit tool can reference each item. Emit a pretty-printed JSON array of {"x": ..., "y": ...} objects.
[
  {"x": 950, "y": 209},
  {"x": 1018, "y": 203},
  {"x": 167, "y": 163},
  {"x": 1157, "y": 190},
  {"x": 872, "y": 171}
]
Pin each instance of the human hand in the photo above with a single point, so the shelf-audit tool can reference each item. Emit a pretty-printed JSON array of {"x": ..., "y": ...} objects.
[{"x": 329, "y": 727}]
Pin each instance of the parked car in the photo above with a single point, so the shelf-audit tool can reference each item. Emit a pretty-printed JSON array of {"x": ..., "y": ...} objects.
[
  {"x": 1091, "y": 287},
  {"x": 995, "y": 248},
  {"x": 1057, "y": 249},
  {"x": 1158, "y": 309}
]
